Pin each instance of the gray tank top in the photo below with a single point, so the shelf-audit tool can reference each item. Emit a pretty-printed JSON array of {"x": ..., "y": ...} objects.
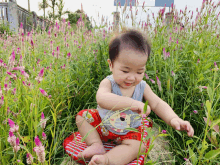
[{"x": 117, "y": 121}]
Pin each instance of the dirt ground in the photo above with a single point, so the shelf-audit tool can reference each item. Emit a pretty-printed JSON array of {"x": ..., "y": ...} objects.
[{"x": 159, "y": 154}]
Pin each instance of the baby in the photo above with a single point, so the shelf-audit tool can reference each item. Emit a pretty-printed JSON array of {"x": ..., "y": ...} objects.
[{"x": 119, "y": 99}]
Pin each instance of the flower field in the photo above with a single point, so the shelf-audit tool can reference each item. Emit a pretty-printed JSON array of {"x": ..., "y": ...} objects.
[{"x": 47, "y": 76}]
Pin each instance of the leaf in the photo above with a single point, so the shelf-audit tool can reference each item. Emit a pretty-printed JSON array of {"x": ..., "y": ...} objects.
[
  {"x": 192, "y": 156},
  {"x": 132, "y": 129},
  {"x": 189, "y": 142},
  {"x": 168, "y": 84},
  {"x": 212, "y": 154},
  {"x": 210, "y": 93},
  {"x": 214, "y": 125},
  {"x": 26, "y": 139},
  {"x": 145, "y": 107},
  {"x": 162, "y": 135}
]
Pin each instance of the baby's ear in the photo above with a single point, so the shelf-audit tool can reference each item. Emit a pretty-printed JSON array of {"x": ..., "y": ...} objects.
[{"x": 110, "y": 64}]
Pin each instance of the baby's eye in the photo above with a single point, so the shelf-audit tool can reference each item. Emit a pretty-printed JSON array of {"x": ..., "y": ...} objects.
[
  {"x": 125, "y": 71},
  {"x": 139, "y": 73}
]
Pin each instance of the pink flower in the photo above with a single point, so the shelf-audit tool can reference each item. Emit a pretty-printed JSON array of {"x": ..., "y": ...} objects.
[
  {"x": 198, "y": 61},
  {"x": 16, "y": 147},
  {"x": 177, "y": 41},
  {"x": 69, "y": 55},
  {"x": 14, "y": 91},
  {"x": 44, "y": 137},
  {"x": 152, "y": 81},
  {"x": 39, "y": 78},
  {"x": 0, "y": 91},
  {"x": 43, "y": 92},
  {"x": 172, "y": 73},
  {"x": 158, "y": 83},
  {"x": 13, "y": 127},
  {"x": 29, "y": 158},
  {"x": 24, "y": 74},
  {"x": 12, "y": 139},
  {"x": 42, "y": 116},
  {"x": 39, "y": 149},
  {"x": 146, "y": 76},
  {"x": 216, "y": 67},
  {"x": 164, "y": 131},
  {"x": 32, "y": 43},
  {"x": 37, "y": 141},
  {"x": 6, "y": 87},
  {"x": 43, "y": 121},
  {"x": 2, "y": 101},
  {"x": 195, "y": 111}
]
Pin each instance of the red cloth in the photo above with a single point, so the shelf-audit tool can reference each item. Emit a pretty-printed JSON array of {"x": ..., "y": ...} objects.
[{"x": 73, "y": 144}]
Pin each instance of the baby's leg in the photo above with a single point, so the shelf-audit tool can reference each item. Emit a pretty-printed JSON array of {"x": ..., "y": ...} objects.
[
  {"x": 93, "y": 140},
  {"x": 119, "y": 155}
]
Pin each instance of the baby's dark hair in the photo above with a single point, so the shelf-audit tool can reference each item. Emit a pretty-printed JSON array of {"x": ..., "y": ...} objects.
[{"x": 132, "y": 39}]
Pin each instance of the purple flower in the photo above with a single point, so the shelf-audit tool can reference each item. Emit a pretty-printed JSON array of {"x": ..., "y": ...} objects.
[
  {"x": 11, "y": 123},
  {"x": 43, "y": 92},
  {"x": 164, "y": 131},
  {"x": 195, "y": 111},
  {"x": 37, "y": 141},
  {"x": 69, "y": 55},
  {"x": 13, "y": 127},
  {"x": 146, "y": 76},
  {"x": 172, "y": 73},
  {"x": 32, "y": 43},
  {"x": 42, "y": 116},
  {"x": 198, "y": 61},
  {"x": 29, "y": 158},
  {"x": 152, "y": 81},
  {"x": 158, "y": 83},
  {"x": 44, "y": 136}
]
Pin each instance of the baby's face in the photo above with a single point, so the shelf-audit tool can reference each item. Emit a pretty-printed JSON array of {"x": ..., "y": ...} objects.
[{"x": 128, "y": 68}]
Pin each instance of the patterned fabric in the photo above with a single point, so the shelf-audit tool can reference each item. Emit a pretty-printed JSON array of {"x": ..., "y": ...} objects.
[
  {"x": 93, "y": 118},
  {"x": 73, "y": 145},
  {"x": 117, "y": 121}
]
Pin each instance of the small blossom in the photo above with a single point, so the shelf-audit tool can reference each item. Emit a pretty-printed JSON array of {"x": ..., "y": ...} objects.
[
  {"x": 24, "y": 74},
  {"x": 39, "y": 78},
  {"x": 29, "y": 158},
  {"x": 14, "y": 91},
  {"x": 44, "y": 137},
  {"x": 2, "y": 101},
  {"x": 147, "y": 77},
  {"x": 198, "y": 61},
  {"x": 152, "y": 81},
  {"x": 12, "y": 139},
  {"x": 69, "y": 55},
  {"x": 159, "y": 83},
  {"x": 43, "y": 92},
  {"x": 16, "y": 147},
  {"x": 39, "y": 149},
  {"x": 172, "y": 73},
  {"x": 164, "y": 131},
  {"x": 43, "y": 121},
  {"x": 37, "y": 141},
  {"x": 6, "y": 87},
  {"x": 13, "y": 127},
  {"x": 195, "y": 111}
]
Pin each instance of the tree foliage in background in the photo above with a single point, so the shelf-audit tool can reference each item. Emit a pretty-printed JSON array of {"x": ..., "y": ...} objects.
[
  {"x": 74, "y": 17},
  {"x": 43, "y": 5}
]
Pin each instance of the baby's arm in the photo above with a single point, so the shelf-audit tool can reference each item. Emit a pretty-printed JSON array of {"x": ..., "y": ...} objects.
[
  {"x": 111, "y": 101},
  {"x": 165, "y": 112}
]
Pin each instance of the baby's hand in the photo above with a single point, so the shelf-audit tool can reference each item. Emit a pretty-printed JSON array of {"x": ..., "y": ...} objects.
[
  {"x": 182, "y": 125},
  {"x": 138, "y": 106}
]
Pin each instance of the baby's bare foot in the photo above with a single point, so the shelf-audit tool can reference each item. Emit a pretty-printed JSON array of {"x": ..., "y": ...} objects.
[
  {"x": 99, "y": 160},
  {"x": 94, "y": 149}
]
